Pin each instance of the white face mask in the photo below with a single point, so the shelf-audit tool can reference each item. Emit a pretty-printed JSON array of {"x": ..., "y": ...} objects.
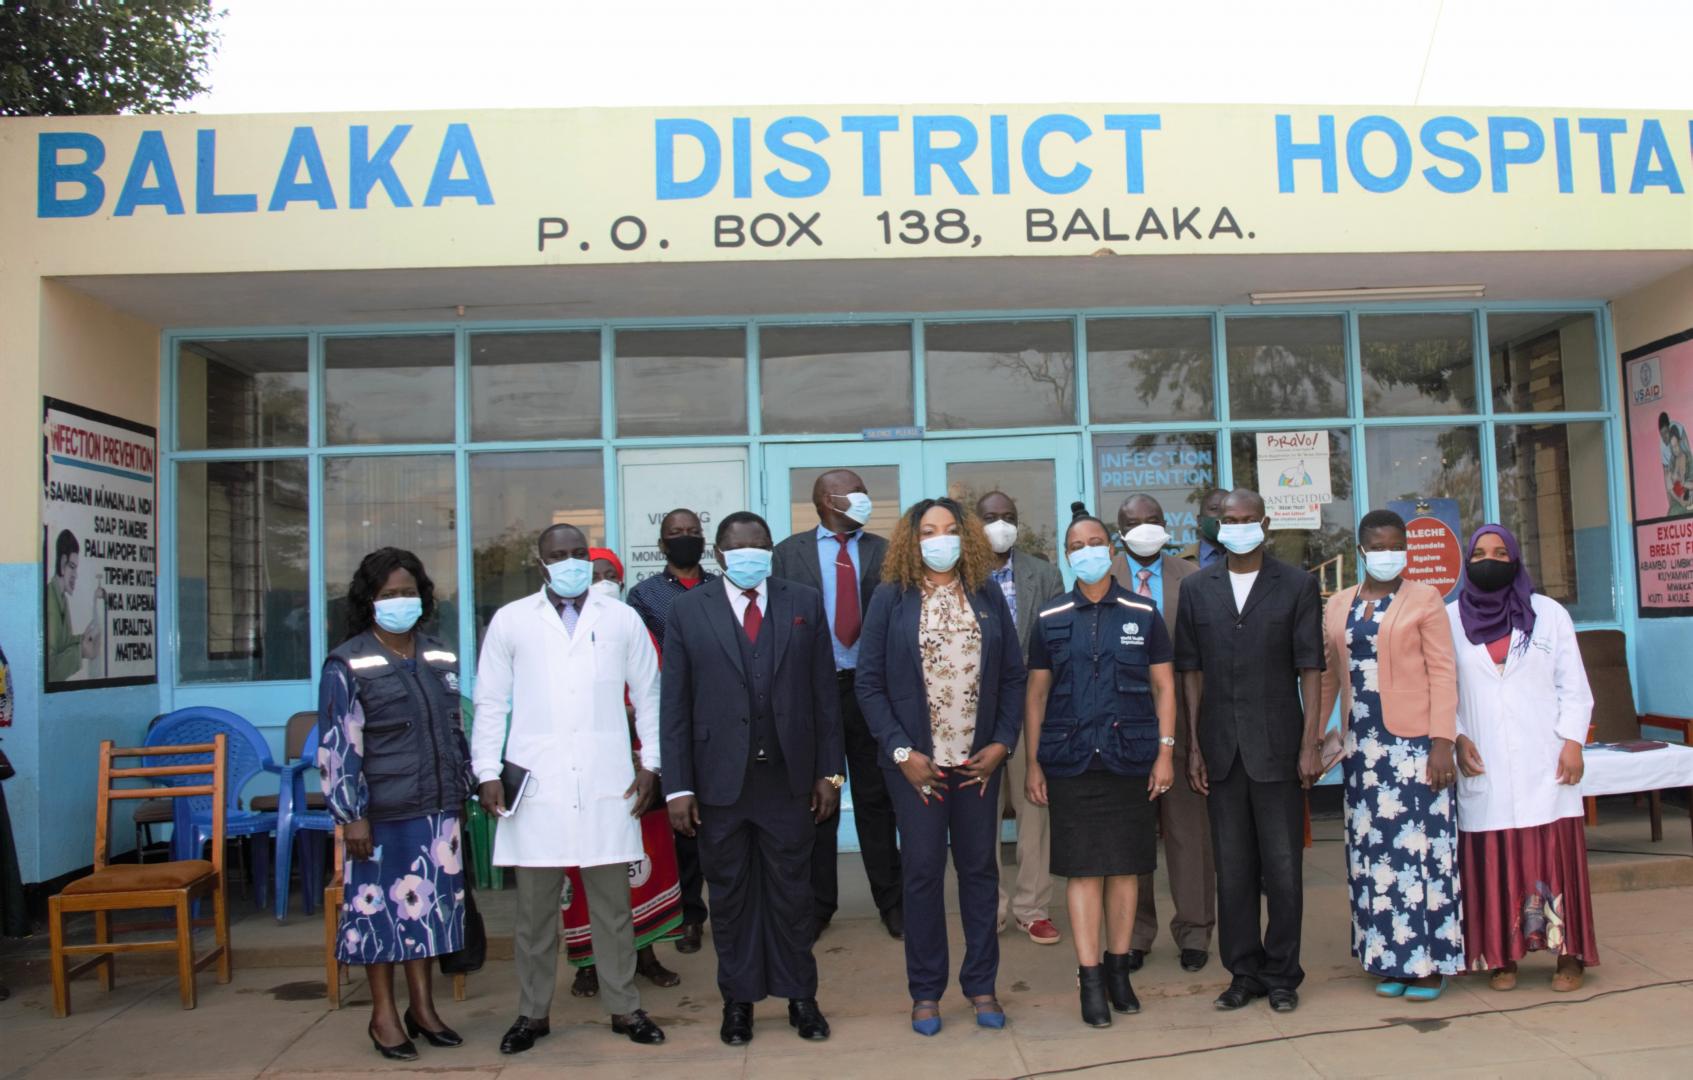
[
  {"x": 1384, "y": 565},
  {"x": 1241, "y": 539},
  {"x": 607, "y": 588},
  {"x": 1146, "y": 540},
  {"x": 1001, "y": 535},
  {"x": 858, "y": 506}
]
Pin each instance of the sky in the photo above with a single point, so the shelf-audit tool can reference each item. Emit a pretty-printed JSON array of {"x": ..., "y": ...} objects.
[{"x": 345, "y": 55}]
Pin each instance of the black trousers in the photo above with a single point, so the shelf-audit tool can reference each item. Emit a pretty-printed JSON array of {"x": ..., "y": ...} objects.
[
  {"x": 1258, "y": 835},
  {"x": 756, "y": 855},
  {"x": 873, "y": 811},
  {"x": 691, "y": 880}
]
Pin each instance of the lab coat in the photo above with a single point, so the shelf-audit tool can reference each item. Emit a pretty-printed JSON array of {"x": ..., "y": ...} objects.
[
  {"x": 568, "y": 728},
  {"x": 1518, "y": 720}
]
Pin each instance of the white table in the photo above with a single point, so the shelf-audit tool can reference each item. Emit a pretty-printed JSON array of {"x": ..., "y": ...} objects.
[{"x": 1618, "y": 772}]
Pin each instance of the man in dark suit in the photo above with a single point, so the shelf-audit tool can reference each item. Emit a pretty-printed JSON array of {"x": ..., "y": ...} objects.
[
  {"x": 844, "y": 563},
  {"x": 750, "y": 741},
  {"x": 1249, "y": 646},
  {"x": 1146, "y": 569},
  {"x": 1028, "y": 582}
]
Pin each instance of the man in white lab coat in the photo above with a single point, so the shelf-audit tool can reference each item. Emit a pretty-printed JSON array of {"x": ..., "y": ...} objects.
[{"x": 558, "y": 661}]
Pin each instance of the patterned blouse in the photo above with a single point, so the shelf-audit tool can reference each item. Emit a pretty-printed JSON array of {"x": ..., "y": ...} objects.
[{"x": 951, "y": 646}]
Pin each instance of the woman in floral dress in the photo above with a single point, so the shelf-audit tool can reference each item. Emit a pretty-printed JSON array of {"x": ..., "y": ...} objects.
[
  {"x": 395, "y": 775},
  {"x": 1389, "y": 658}
]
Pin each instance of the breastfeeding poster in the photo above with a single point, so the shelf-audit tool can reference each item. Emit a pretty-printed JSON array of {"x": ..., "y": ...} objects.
[
  {"x": 99, "y": 548},
  {"x": 1658, "y": 396}
]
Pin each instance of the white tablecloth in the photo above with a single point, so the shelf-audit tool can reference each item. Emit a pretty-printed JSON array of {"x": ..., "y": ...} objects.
[{"x": 1616, "y": 772}]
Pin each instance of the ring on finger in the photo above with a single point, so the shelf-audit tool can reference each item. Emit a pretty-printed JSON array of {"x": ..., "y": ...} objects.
[{"x": 927, "y": 790}]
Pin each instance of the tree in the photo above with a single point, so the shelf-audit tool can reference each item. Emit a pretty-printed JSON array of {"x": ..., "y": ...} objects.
[{"x": 81, "y": 57}]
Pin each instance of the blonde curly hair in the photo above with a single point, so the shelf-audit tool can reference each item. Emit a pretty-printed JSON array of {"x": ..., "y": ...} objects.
[{"x": 903, "y": 565}]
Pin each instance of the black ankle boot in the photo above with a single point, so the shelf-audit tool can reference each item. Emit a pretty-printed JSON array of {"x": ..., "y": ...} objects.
[
  {"x": 1117, "y": 986},
  {"x": 1096, "y": 1012}
]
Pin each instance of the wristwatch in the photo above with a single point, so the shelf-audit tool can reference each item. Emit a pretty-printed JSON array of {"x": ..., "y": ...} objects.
[
  {"x": 1166, "y": 740},
  {"x": 902, "y": 755},
  {"x": 838, "y": 780}
]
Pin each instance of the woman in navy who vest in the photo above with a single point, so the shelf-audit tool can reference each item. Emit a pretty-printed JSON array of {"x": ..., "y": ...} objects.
[
  {"x": 940, "y": 681},
  {"x": 396, "y": 772},
  {"x": 1101, "y": 721}
]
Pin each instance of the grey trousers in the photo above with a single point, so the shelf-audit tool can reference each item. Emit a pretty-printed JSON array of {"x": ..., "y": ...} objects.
[
  {"x": 535, "y": 937},
  {"x": 1186, "y": 825}
]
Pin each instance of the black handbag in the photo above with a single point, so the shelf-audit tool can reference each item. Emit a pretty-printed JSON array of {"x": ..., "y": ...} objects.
[{"x": 475, "y": 952}]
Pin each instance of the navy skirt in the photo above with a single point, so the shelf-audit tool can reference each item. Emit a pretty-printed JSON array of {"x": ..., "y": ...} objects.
[{"x": 406, "y": 902}]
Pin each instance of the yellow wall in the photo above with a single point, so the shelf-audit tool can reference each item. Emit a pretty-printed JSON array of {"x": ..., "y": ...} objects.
[{"x": 1662, "y": 308}]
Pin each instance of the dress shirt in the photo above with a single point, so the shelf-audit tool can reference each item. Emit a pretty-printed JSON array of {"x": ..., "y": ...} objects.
[
  {"x": 1209, "y": 552},
  {"x": 1007, "y": 582},
  {"x": 846, "y": 659},
  {"x": 738, "y": 601},
  {"x": 1154, "y": 583},
  {"x": 570, "y": 617}
]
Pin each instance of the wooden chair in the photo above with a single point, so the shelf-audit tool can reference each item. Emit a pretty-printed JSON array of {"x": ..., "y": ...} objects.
[
  {"x": 1604, "y": 653},
  {"x": 334, "y": 972},
  {"x": 132, "y": 886}
]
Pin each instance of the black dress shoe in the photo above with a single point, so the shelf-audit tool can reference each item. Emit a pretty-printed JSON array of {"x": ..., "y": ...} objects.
[
  {"x": 1237, "y": 996},
  {"x": 639, "y": 1027},
  {"x": 894, "y": 920},
  {"x": 806, "y": 1018},
  {"x": 1136, "y": 958},
  {"x": 689, "y": 942},
  {"x": 1117, "y": 987},
  {"x": 405, "y": 1051},
  {"x": 523, "y": 1033},
  {"x": 737, "y": 1023},
  {"x": 1194, "y": 959},
  {"x": 1096, "y": 1009},
  {"x": 442, "y": 1036},
  {"x": 1284, "y": 1000}
]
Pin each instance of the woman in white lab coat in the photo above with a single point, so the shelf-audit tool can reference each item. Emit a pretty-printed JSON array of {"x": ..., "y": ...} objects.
[{"x": 1523, "y": 711}]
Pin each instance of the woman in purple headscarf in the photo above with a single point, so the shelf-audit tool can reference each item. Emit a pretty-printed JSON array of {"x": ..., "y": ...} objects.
[{"x": 1523, "y": 711}]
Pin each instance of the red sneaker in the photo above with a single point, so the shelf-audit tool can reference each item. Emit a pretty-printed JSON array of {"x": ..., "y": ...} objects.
[{"x": 1042, "y": 932}]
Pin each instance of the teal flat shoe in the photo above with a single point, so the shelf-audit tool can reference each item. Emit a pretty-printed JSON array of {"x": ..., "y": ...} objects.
[
  {"x": 1425, "y": 993},
  {"x": 1390, "y": 988}
]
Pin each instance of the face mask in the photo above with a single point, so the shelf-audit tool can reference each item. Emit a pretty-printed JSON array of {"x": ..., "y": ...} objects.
[
  {"x": 858, "y": 506},
  {"x": 746, "y": 567},
  {"x": 569, "y": 578},
  {"x": 398, "y": 614},
  {"x": 1241, "y": 539},
  {"x": 1384, "y": 565},
  {"x": 1491, "y": 575},
  {"x": 1208, "y": 527},
  {"x": 1090, "y": 563},
  {"x": 1001, "y": 535},
  {"x": 1146, "y": 540},
  {"x": 940, "y": 553},
  {"x": 608, "y": 588},
  {"x": 684, "y": 552}
]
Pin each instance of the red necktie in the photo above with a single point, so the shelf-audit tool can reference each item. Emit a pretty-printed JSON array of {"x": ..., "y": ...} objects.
[
  {"x": 1144, "y": 576},
  {"x": 753, "y": 619},
  {"x": 848, "y": 617}
]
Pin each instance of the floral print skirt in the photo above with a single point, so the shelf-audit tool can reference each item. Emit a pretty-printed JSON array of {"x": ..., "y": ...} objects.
[
  {"x": 406, "y": 902},
  {"x": 1526, "y": 890}
]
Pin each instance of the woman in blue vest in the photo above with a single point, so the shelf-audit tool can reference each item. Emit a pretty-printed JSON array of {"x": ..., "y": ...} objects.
[
  {"x": 396, "y": 772},
  {"x": 1101, "y": 723}
]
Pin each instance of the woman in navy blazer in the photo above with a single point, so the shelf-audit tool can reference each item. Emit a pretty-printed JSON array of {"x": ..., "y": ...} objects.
[{"x": 940, "y": 682}]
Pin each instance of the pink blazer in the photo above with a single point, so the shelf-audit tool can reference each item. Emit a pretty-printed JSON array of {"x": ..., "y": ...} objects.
[{"x": 1417, "y": 671}]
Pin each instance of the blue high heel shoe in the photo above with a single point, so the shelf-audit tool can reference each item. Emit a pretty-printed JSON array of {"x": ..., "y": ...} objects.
[
  {"x": 1425, "y": 993},
  {"x": 989, "y": 1012},
  {"x": 1390, "y": 988},
  {"x": 928, "y": 1025}
]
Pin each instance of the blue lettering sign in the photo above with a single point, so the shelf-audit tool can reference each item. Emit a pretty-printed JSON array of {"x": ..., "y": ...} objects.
[
  {"x": 302, "y": 151},
  {"x": 1502, "y": 157},
  {"x": 365, "y": 170},
  {"x": 1469, "y": 169},
  {"x": 51, "y": 171},
  {"x": 1394, "y": 178},
  {"x": 870, "y": 130},
  {"x": 1133, "y": 126},
  {"x": 775, "y": 141},
  {"x": 925, "y": 156},
  {"x": 206, "y": 197},
  {"x": 1321, "y": 151},
  {"x": 1653, "y": 148},
  {"x": 665, "y": 133},
  {"x": 152, "y": 159},
  {"x": 458, "y": 146},
  {"x": 1060, "y": 123}
]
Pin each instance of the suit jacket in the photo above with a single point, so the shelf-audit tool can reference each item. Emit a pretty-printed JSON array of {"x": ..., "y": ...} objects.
[
  {"x": 892, "y": 692},
  {"x": 1251, "y": 659},
  {"x": 704, "y": 719},
  {"x": 1416, "y": 670},
  {"x": 1037, "y": 582},
  {"x": 1173, "y": 570},
  {"x": 795, "y": 559}
]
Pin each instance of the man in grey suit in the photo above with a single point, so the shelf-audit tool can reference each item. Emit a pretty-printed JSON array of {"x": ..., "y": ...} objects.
[
  {"x": 844, "y": 563},
  {"x": 1147, "y": 569},
  {"x": 1028, "y": 583}
]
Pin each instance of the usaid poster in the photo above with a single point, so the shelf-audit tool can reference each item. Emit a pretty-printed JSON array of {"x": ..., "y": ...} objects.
[
  {"x": 1658, "y": 388},
  {"x": 99, "y": 548}
]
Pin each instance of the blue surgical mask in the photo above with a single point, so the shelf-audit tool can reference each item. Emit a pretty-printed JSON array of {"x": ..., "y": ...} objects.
[
  {"x": 747, "y": 567},
  {"x": 398, "y": 614},
  {"x": 1090, "y": 563},
  {"x": 940, "y": 553},
  {"x": 570, "y": 578},
  {"x": 1384, "y": 565},
  {"x": 858, "y": 506},
  {"x": 1241, "y": 539}
]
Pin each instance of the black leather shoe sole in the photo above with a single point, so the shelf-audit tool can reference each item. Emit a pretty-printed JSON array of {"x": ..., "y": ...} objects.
[
  {"x": 737, "y": 1028},
  {"x": 1235, "y": 998},
  {"x": 1195, "y": 959},
  {"x": 1284, "y": 1001},
  {"x": 517, "y": 1043},
  {"x": 642, "y": 1031},
  {"x": 689, "y": 942}
]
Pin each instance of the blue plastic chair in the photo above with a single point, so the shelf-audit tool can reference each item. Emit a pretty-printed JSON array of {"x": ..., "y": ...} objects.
[
  {"x": 294, "y": 818},
  {"x": 248, "y": 755}
]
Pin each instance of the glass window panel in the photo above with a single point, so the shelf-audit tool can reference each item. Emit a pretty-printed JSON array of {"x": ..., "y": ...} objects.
[
  {"x": 1417, "y": 365},
  {"x": 381, "y": 500},
  {"x": 834, "y": 378},
  {"x": 388, "y": 389},
  {"x": 1554, "y": 493},
  {"x": 1032, "y": 487},
  {"x": 1177, "y": 470},
  {"x": 243, "y": 589},
  {"x": 535, "y": 386},
  {"x": 513, "y": 498},
  {"x": 241, "y": 393},
  {"x": 1543, "y": 362},
  {"x": 1150, "y": 369},
  {"x": 1411, "y": 464},
  {"x": 880, "y": 481},
  {"x": 1329, "y": 551},
  {"x": 1000, "y": 374},
  {"x": 1289, "y": 365},
  {"x": 681, "y": 382}
]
